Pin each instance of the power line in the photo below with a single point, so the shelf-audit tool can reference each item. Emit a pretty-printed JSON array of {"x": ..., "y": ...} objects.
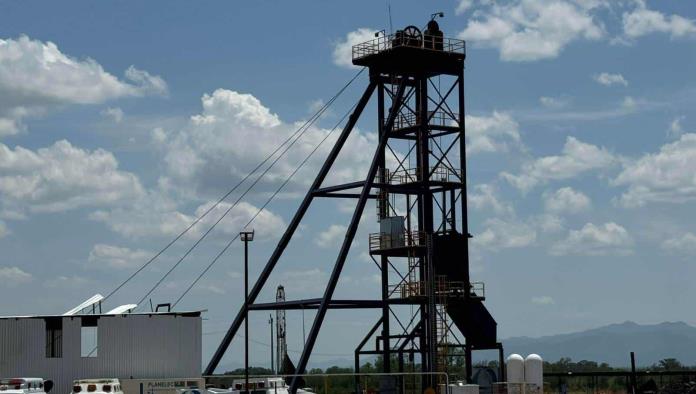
[
  {"x": 227, "y": 211},
  {"x": 308, "y": 124},
  {"x": 312, "y": 119},
  {"x": 264, "y": 205}
]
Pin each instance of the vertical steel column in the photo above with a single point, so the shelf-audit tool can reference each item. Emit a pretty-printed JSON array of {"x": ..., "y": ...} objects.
[
  {"x": 347, "y": 242},
  {"x": 428, "y": 222},
  {"x": 453, "y": 210},
  {"x": 462, "y": 164},
  {"x": 383, "y": 213},
  {"x": 424, "y": 155},
  {"x": 285, "y": 239},
  {"x": 422, "y": 261},
  {"x": 465, "y": 214},
  {"x": 444, "y": 211}
]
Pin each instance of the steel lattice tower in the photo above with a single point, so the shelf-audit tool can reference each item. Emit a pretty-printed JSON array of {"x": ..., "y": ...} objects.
[{"x": 417, "y": 178}]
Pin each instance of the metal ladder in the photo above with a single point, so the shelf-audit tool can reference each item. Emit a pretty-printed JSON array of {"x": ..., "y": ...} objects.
[{"x": 442, "y": 324}]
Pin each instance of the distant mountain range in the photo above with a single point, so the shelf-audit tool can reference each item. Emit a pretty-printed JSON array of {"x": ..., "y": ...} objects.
[{"x": 613, "y": 343}]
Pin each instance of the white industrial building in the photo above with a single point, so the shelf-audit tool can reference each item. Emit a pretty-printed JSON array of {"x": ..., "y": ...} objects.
[{"x": 157, "y": 345}]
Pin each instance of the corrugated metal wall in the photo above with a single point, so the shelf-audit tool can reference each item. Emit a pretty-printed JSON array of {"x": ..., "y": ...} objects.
[{"x": 137, "y": 346}]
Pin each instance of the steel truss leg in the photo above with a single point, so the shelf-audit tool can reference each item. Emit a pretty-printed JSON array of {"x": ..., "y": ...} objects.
[
  {"x": 359, "y": 349},
  {"x": 347, "y": 242},
  {"x": 290, "y": 231}
]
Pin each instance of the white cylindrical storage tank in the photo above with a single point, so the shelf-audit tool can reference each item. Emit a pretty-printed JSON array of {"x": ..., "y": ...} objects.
[
  {"x": 534, "y": 372},
  {"x": 514, "y": 368}
]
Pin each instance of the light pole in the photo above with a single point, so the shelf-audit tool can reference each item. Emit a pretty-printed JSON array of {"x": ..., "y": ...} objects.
[
  {"x": 270, "y": 323},
  {"x": 246, "y": 237}
]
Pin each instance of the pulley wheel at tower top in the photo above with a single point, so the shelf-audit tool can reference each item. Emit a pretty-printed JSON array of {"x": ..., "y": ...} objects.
[
  {"x": 410, "y": 36},
  {"x": 413, "y": 36}
]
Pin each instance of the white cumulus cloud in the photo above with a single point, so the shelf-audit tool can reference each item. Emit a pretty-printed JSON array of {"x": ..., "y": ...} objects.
[
  {"x": 496, "y": 133},
  {"x": 330, "y": 236},
  {"x": 664, "y": 176},
  {"x": 485, "y": 196},
  {"x": 548, "y": 222},
  {"x": 62, "y": 177},
  {"x": 463, "y": 6},
  {"x": 592, "y": 240},
  {"x": 117, "y": 257},
  {"x": 566, "y": 200},
  {"x": 608, "y": 79},
  {"x": 234, "y": 132},
  {"x": 528, "y": 30},
  {"x": 681, "y": 245},
  {"x": 36, "y": 76},
  {"x": 503, "y": 234},
  {"x": 577, "y": 157},
  {"x": 14, "y": 275},
  {"x": 113, "y": 113},
  {"x": 343, "y": 49},
  {"x": 161, "y": 217},
  {"x": 642, "y": 21}
]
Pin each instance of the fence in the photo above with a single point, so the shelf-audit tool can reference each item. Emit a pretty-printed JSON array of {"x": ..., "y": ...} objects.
[
  {"x": 619, "y": 382},
  {"x": 338, "y": 383}
]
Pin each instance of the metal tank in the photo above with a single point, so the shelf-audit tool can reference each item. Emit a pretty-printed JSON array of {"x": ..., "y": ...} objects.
[
  {"x": 534, "y": 373},
  {"x": 514, "y": 368}
]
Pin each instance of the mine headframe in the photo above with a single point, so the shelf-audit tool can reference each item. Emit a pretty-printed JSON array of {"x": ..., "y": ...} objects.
[{"x": 417, "y": 178}]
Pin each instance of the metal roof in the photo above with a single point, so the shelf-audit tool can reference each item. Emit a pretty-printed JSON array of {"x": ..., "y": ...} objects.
[{"x": 183, "y": 313}]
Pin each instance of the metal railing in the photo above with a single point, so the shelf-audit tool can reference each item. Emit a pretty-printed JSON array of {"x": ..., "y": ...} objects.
[
  {"x": 412, "y": 175},
  {"x": 384, "y": 241},
  {"x": 407, "y": 290},
  {"x": 437, "y": 118},
  {"x": 446, "y": 174},
  {"x": 427, "y": 42},
  {"x": 342, "y": 383},
  {"x": 443, "y": 289}
]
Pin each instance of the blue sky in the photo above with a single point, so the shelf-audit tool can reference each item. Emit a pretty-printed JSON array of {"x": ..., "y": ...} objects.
[{"x": 120, "y": 122}]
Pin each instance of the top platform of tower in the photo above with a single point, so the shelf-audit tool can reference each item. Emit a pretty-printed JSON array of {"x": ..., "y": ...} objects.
[{"x": 409, "y": 51}]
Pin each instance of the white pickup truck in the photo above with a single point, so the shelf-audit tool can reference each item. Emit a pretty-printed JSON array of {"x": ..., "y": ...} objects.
[{"x": 25, "y": 386}]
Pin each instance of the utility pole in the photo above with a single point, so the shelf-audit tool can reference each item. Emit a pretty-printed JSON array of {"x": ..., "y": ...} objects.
[
  {"x": 270, "y": 323},
  {"x": 633, "y": 372},
  {"x": 246, "y": 237}
]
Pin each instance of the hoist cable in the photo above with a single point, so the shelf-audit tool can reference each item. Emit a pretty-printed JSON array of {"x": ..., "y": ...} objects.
[
  {"x": 268, "y": 201},
  {"x": 302, "y": 129}
]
